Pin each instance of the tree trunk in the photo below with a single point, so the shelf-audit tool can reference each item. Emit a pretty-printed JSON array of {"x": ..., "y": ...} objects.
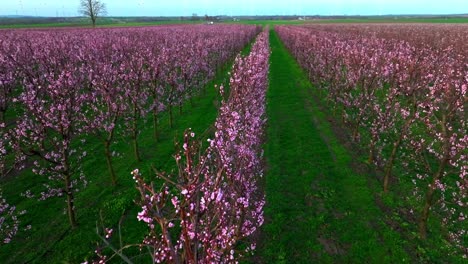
[
  {"x": 2, "y": 117},
  {"x": 155, "y": 125},
  {"x": 370, "y": 159},
  {"x": 429, "y": 200},
  {"x": 171, "y": 120},
  {"x": 135, "y": 143},
  {"x": 109, "y": 162},
  {"x": 170, "y": 246},
  {"x": 391, "y": 160},
  {"x": 389, "y": 165},
  {"x": 425, "y": 214},
  {"x": 2, "y": 172},
  {"x": 68, "y": 188},
  {"x": 70, "y": 200},
  {"x": 356, "y": 129},
  {"x": 135, "y": 135},
  {"x": 2, "y": 120},
  {"x": 356, "y": 133},
  {"x": 436, "y": 178}
]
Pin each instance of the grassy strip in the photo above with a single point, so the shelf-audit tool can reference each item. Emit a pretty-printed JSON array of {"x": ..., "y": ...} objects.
[
  {"x": 318, "y": 209},
  {"x": 436, "y": 20},
  {"x": 99, "y": 25},
  {"x": 52, "y": 241}
]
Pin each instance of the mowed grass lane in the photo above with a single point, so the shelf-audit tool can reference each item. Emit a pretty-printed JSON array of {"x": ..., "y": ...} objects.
[{"x": 318, "y": 209}]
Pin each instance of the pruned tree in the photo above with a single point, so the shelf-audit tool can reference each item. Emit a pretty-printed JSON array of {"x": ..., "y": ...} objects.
[{"x": 92, "y": 9}]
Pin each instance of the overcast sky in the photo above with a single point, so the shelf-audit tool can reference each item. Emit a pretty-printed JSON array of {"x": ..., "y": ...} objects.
[{"x": 238, "y": 7}]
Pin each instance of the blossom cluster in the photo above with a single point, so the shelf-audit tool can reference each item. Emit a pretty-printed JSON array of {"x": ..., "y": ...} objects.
[{"x": 9, "y": 221}]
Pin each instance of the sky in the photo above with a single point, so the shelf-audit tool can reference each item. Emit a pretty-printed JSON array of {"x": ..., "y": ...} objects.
[{"x": 238, "y": 7}]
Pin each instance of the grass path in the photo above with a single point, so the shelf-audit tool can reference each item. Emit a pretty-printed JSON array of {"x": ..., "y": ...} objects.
[{"x": 318, "y": 209}]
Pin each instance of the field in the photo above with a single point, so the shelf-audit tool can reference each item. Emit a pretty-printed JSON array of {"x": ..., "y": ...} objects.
[
  {"x": 289, "y": 142},
  {"x": 131, "y": 22}
]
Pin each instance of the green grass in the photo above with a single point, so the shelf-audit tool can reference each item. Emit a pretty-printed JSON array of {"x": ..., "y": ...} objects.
[
  {"x": 122, "y": 23},
  {"x": 268, "y": 22},
  {"x": 439, "y": 20},
  {"x": 52, "y": 241},
  {"x": 318, "y": 208}
]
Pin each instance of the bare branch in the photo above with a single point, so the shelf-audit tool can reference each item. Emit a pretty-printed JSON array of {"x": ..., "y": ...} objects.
[{"x": 92, "y": 9}]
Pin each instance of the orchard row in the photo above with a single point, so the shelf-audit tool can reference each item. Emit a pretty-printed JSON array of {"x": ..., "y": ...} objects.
[
  {"x": 213, "y": 202},
  {"x": 403, "y": 94},
  {"x": 59, "y": 87}
]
